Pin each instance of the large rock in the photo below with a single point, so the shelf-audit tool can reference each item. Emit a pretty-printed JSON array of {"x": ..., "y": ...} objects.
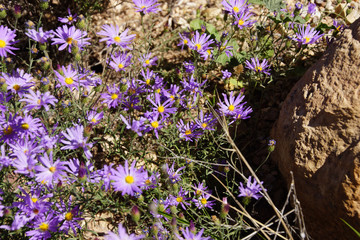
[{"x": 318, "y": 133}]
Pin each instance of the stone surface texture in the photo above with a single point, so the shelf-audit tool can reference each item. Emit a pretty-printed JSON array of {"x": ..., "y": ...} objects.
[{"x": 317, "y": 134}]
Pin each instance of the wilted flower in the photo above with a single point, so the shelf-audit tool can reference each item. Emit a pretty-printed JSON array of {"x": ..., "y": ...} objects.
[{"x": 39, "y": 36}]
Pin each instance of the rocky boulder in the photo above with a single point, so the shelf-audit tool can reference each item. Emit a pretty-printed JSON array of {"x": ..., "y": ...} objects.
[{"x": 318, "y": 133}]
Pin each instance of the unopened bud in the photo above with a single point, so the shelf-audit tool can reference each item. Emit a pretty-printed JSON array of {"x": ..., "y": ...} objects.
[
  {"x": 173, "y": 209},
  {"x": 271, "y": 145},
  {"x": 135, "y": 213},
  {"x": 42, "y": 46},
  {"x": 192, "y": 227}
]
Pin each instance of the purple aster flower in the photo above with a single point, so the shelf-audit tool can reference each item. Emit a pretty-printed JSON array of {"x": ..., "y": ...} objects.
[
  {"x": 233, "y": 106},
  {"x": 105, "y": 174},
  {"x": 7, "y": 37},
  {"x": 224, "y": 47},
  {"x": 165, "y": 108},
  {"x": 200, "y": 189},
  {"x": 19, "y": 221},
  {"x": 113, "y": 97},
  {"x": 155, "y": 124},
  {"x": 188, "y": 234},
  {"x": 128, "y": 180},
  {"x": 122, "y": 235},
  {"x": 113, "y": 36},
  {"x": 189, "y": 66},
  {"x": 242, "y": 20},
  {"x": 203, "y": 201},
  {"x": 50, "y": 172},
  {"x": 307, "y": 35},
  {"x": 18, "y": 84},
  {"x": 75, "y": 139},
  {"x": 188, "y": 131},
  {"x": 69, "y": 216},
  {"x": 9, "y": 128},
  {"x": 94, "y": 117},
  {"x": 252, "y": 189},
  {"x": 70, "y": 19},
  {"x": 338, "y": 26},
  {"x": 256, "y": 66},
  {"x": 120, "y": 61},
  {"x": 149, "y": 77},
  {"x": 30, "y": 126},
  {"x": 184, "y": 40},
  {"x": 136, "y": 126},
  {"x": 234, "y": 6},
  {"x": 24, "y": 164},
  {"x": 147, "y": 61},
  {"x": 146, "y": 6},
  {"x": 180, "y": 199},
  {"x": 174, "y": 176},
  {"x": 43, "y": 226},
  {"x": 298, "y": 6},
  {"x": 70, "y": 37},
  {"x": 152, "y": 181},
  {"x": 193, "y": 86},
  {"x": 226, "y": 74},
  {"x": 311, "y": 8},
  {"x": 173, "y": 93},
  {"x": 201, "y": 43},
  {"x": 27, "y": 146},
  {"x": 33, "y": 204},
  {"x": 4, "y": 160},
  {"x": 39, "y": 36},
  {"x": 69, "y": 78}
]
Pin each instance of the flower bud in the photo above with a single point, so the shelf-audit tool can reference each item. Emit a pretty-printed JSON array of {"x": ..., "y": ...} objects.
[
  {"x": 42, "y": 46},
  {"x": 135, "y": 214},
  {"x": 17, "y": 11},
  {"x": 77, "y": 57},
  {"x": 271, "y": 145},
  {"x": 192, "y": 227},
  {"x": 173, "y": 209},
  {"x": 215, "y": 219},
  {"x": 2, "y": 12},
  {"x": 81, "y": 24},
  {"x": 161, "y": 208}
]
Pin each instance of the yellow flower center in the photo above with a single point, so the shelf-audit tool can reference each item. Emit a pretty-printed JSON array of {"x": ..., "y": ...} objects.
[
  {"x": 258, "y": 68},
  {"x": 187, "y": 132},
  {"x": 147, "y": 182},
  {"x": 155, "y": 124},
  {"x": 142, "y": 7},
  {"x": 2, "y": 44},
  {"x": 70, "y": 18},
  {"x": 147, "y": 61},
  {"x": 157, "y": 90},
  {"x": 8, "y": 130},
  {"x": 231, "y": 107},
  {"x": 38, "y": 101},
  {"x": 307, "y": 39},
  {"x": 34, "y": 200},
  {"x": 69, "y": 40},
  {"x": 44, "y": 227},
  {"x": 16, "y": 87},
  {"x": 185, "y": 41},
  {"x": 52, "y": 169},
  {"x": 93, "y": 120},
  {"x": 241, "y": 22},
  {"x": 114, "y": 96},
  {"x": 198, "y": 46},
  {"x": 198, "y": 192},
  {"x": 36, "y": 211},
  {"x": 172, "y": 97},
  {"x": 179, "y": 199},
  {"x": 120, "y": 65},
  {"x": 208, "y": 51},
  {"x": 117, "y": 39},
  {"x": 204, "y": 125},
  {"x": 148, "y": 81},
  {"x": 129, "y": 179},
  {"x": 25, "y": 126},
  {"x": 69, "y": 216},
  {"x": 203, "y": 201},
  {"x": 161, "y": 109},
  {"x": 236, "y": 9},
  {"x": 69, "y": 81}
]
